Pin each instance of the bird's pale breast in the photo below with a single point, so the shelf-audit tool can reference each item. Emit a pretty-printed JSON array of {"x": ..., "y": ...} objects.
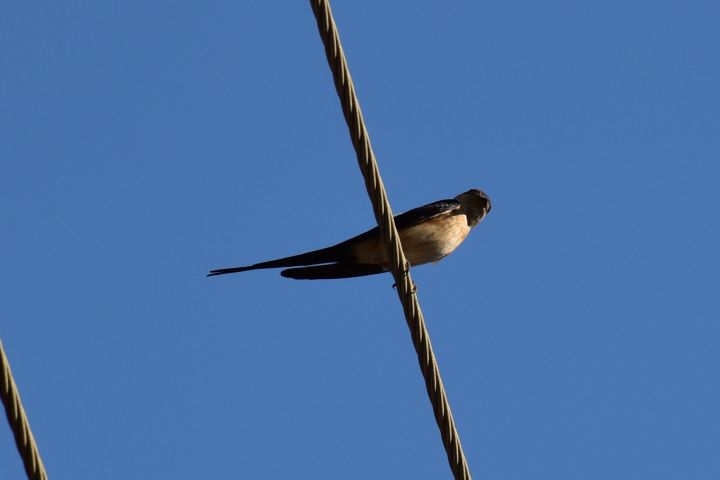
[{"x": 423, "y": 243}]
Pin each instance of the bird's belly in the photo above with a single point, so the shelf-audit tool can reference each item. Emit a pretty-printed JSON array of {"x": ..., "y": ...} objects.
[{"x": 424, "y": 243}]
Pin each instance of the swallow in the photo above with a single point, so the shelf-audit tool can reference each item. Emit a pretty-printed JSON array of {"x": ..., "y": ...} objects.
[{"x": 428, "y": 234}]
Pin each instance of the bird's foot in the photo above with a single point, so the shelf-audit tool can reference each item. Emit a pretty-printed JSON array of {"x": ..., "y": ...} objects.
[{"x": 413, "y": 288}]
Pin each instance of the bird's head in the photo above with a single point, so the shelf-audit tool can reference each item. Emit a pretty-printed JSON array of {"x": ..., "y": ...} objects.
[{"x": 476, "y": 204}]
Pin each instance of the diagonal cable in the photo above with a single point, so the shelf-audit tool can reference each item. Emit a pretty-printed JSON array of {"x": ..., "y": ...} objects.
[
  {"x": 383, "y": 214},
  {"x": 18, "y": 421}
]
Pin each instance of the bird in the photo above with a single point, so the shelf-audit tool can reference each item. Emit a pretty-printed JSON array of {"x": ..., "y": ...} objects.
[{"x": 428, "y": 234}]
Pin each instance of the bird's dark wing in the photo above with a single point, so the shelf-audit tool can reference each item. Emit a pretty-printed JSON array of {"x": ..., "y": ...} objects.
[
  {"x": 410, "y": 218},
  {"x": 332, "y": 270},
  {"x": 426, "y": 212}
]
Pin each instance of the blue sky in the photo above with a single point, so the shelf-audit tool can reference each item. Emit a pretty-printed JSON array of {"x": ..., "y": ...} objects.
[{"x": 144, "y": 143}]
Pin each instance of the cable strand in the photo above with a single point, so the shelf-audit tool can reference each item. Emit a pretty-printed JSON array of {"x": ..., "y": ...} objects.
[
  {"x": 19, "y": 424},
  {"x": 399, "y": 266}
]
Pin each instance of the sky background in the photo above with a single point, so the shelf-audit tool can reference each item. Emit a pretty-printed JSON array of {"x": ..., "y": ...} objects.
[{"x": 145, "y": 143}]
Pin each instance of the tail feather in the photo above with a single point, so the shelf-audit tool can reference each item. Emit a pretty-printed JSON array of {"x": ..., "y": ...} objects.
[
  {"x": 335, "y": 253},
  {"x": 223, "y": 271}
]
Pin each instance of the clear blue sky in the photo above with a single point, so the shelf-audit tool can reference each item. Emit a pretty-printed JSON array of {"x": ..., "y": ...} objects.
[{"x": 144, "y": 143}]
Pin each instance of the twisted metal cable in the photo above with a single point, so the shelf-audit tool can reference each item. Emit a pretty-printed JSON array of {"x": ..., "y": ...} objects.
[
  {"x": 19, "y": 424},
  {"x": 383, "y": 214}
]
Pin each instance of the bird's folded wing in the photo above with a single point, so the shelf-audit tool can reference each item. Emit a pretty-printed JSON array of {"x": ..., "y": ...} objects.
[{"x": 411, "y": 218}]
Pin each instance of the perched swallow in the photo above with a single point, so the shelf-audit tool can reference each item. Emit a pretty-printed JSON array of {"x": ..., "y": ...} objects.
[{"x": 428, "y": 234}]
